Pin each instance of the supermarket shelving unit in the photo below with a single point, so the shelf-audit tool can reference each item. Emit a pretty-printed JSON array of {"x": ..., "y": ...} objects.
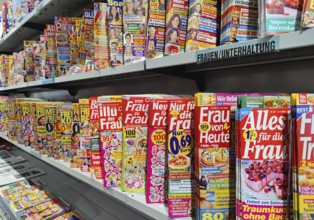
[{"x": 287, "y": 69}]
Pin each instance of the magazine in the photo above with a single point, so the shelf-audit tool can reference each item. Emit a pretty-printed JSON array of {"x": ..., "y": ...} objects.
[
  {"x": 10, "y": 161},
  {"x": 14, "y": 168},
  {"x": 19, "y": 175}
]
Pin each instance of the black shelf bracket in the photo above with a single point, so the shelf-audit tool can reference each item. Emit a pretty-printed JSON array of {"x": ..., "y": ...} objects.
[
  {"x": 73, "y": 91},
  {"x": 26, "y": 94},
  {"x": 38, "y": 27}
]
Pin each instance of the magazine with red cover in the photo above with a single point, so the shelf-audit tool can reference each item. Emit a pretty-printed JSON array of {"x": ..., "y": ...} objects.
[{"x": 263, "y": 153}]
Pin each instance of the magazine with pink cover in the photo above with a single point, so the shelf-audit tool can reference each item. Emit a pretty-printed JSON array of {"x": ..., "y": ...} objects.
[
  {"x": 156, "y": 180},
  {"x": 110, "y": 118}
]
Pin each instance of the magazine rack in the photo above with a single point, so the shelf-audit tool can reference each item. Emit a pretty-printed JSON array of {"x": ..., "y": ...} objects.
[{"x": 287, "y": 69}]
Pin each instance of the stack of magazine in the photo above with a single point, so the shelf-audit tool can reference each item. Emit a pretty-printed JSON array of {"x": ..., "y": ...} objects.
[{"x": 24, "y": 196}]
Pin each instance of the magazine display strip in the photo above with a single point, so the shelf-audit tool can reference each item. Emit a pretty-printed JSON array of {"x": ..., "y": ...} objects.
[{"x": 135, "y": 201}]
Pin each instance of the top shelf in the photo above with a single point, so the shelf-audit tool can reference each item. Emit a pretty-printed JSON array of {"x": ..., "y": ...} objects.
[{"x": 34, "y": 23}]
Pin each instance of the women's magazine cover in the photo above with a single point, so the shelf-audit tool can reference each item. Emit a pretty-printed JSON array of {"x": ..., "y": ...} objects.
[
  {"x": 134, "y": 30},
  {"x": 110, "y": 118},
  {"x": 202, "y": 25},
  {"x": 115, "y": 15},
  {"x": 156, "y": 27},
  {"x": 176, "y": 26},
  {"x": 263, "y": 153},
  {"x": 134, "y": 145}
]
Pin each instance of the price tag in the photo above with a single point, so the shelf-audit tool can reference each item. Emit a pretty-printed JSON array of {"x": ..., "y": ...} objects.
[
  {"x": 204, "y": 127},
  {"x": 180, "y": 143},
  {"x": 250, "y": 135}
]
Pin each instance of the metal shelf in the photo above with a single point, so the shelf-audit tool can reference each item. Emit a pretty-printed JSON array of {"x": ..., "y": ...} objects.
[{"x": 135, "y": 201}]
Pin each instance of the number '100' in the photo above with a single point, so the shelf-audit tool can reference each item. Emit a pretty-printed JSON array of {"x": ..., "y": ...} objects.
[{"x": 176, "y": 143}]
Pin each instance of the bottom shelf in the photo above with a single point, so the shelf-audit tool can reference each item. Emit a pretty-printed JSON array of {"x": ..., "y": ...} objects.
[{"x": 133, "y": 201}]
